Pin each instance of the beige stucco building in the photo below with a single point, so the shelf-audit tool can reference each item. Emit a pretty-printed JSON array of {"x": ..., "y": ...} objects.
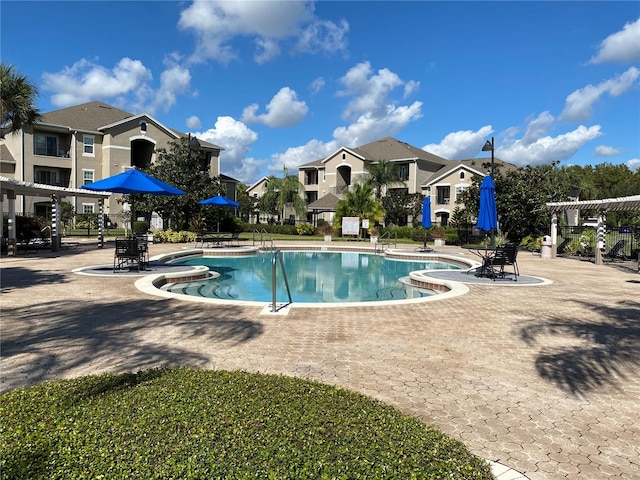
[
  {"x": 77, "y": 145},
  {"x": 326, "y": 180}
]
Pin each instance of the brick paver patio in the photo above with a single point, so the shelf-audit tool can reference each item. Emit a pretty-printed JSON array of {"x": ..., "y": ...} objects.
[{"x": 543, "y": 379}]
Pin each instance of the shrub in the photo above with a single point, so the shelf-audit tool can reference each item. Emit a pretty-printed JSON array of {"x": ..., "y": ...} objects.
[
  {"x": 214, "y": 424},
  {"x": 305, "y": 229},
  {"x": 171, "y": 236},
  {"x": 532, "y": 244}
]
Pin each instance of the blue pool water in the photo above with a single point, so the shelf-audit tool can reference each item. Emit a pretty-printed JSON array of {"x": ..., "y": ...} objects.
[{"x": 314, "y": 277}]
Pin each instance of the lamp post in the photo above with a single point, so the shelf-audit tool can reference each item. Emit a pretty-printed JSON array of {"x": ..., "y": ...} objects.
[{"x": 489, "y": 147}]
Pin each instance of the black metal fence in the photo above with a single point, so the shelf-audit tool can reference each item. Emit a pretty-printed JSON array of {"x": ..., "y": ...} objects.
[{"x": 580, "y": 240}]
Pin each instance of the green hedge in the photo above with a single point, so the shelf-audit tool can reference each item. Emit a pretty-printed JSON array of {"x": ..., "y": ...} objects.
[{"x": 186, "y": 424}]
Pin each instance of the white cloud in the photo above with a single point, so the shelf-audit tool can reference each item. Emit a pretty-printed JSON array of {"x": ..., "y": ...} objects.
[
  {"x": 606, "y": 151},
  {"x": 579, "y": 104},
  {"x": 410, "y": 87},
  {"x": 216, "y": 24},
  {"x": 293, "y": 157},
  {"x": 373, "y": 113},
  {"x": 173, "y": 81},
  {"x": 633, "y": 164},
  {"x": 544, "y": 150},
  {"x": 620, "y": 47},
  {"x": 193, "y": 122},
  {"x": 370, "y": 92},
  {"x": 126, "y": 85},
  {"x": 460, "y": 145},
  {"x": 284, "y": 110},
  {"x": 236, "y": 139},
  {"x": 317, "y": 85},
  {"x": 322, "y": 36},
  {"x": 85, "y": 81}
]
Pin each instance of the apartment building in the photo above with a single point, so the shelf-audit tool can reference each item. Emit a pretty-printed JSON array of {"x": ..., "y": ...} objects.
[
  {"x": 77, "y": 145},
  {"x": 326, "y": 180}
]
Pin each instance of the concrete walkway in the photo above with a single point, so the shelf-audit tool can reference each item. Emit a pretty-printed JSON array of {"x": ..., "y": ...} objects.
[{"x": 543, "y": 379}]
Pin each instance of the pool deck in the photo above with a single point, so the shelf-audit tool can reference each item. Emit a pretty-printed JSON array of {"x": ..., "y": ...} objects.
[{"x": 542, "y": 379}]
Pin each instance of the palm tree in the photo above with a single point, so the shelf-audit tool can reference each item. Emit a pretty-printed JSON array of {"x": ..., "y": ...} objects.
[
  {"x": 360, "y": 202},
  {"x": 281, "y": 192},
  {"x": 382, "y": 174},
  {"x": 18, "y": 96}
]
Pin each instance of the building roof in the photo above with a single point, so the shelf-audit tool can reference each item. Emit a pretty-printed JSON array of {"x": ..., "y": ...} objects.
[
  {"x": 87, "y": 116},
  {"x": 329, "y": 202},
  {"x": 5, "y": 155},
  {"x": 389, "y": 148}
]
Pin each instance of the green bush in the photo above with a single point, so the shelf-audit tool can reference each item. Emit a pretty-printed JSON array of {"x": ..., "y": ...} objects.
[
  {"x": 305, "y": 229},
  {"x": 532, "y": 244},
  {"x": 171, "y": 236},
  {"x": 188, "y": 424},
  {"x": 140, "y": 228}
]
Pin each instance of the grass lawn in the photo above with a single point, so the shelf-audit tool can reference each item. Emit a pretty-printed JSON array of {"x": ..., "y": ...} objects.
[{"x": 199, "y": 424}]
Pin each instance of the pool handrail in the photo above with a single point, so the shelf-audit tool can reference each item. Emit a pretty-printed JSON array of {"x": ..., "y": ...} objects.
[
  {"x": 264, "y": 238},
  {"x": 278, "y": 255}
]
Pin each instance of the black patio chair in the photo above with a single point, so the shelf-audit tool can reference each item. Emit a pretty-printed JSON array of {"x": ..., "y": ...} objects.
[
  {"x": 505, "y": 257},
  {"x": 127, "y": 255}
]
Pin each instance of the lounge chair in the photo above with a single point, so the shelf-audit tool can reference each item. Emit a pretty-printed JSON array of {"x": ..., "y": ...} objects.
[
  {"x": 505, "y": 257},
  {"x": 616, "y": 252}
]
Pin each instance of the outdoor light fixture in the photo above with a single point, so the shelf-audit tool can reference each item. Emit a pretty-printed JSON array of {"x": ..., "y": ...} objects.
[{"x": 489, "y": 147}]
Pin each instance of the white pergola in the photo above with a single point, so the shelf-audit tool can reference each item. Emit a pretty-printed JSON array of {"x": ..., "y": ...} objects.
[
  {"x": 10, "y": 188},
  {"x": 620, "y": 204}
]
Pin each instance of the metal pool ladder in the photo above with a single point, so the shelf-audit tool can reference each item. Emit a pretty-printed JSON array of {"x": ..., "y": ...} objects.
[{"x": 278, "y": 255}]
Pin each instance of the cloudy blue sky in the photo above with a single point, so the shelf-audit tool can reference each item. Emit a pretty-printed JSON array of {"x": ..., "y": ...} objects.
[{"x": 284, "y": 83}]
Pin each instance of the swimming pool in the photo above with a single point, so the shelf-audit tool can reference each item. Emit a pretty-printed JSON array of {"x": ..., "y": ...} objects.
[{"x": 314, "y": 277}]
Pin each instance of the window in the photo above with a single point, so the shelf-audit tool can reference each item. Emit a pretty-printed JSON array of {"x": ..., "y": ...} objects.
[
  {"x": 403, "y": 173},
  {"x": 87, "y": 176},
  {"x": 88, "y": 147},
  {"x": 444, "y": 194},
  {"x": 87, "y": 208},
  {"x": 47, "y": 176},
  {"x": 45, "y": 145},
  {"x": 460, "y": 189},
  {"x": 461, "y": 175}
]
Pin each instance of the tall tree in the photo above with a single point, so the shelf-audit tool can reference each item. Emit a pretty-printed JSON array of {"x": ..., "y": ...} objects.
[
  {"x": 360, "y": 202},
  {"x": 399, "y": 205},
  {"x": 382, "y": 174},
  {"x": 181, "y": 165},
  {"x": 282, "y": 192},
  {"x": 17, "y": 101}
]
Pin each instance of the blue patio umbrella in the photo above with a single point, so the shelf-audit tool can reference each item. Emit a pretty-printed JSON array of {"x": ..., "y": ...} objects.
[
  {"x": 132, "y": 182},
  {"x": 488, "y": 214},
  {"x": 219, "y": 201}
]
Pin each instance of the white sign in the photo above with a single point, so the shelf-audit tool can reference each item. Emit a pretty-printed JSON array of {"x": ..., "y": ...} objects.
[
  {"x": 365, "y": 223},
  {"x": 350, "y": 226}
]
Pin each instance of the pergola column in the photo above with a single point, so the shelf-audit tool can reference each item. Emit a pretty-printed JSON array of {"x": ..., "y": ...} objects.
[
  {"x": 11, "y": 224},
  {"x": 554, "y": 235}
]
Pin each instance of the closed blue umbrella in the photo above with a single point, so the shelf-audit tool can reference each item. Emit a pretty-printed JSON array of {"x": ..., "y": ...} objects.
[
  {"x": 426, "y": 219},
  {"x": 426, "y": 212},
  {"x": 488, "y": 214}
]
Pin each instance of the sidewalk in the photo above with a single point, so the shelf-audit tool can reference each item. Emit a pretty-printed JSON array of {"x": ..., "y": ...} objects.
[{"x": 542, "y": 379}]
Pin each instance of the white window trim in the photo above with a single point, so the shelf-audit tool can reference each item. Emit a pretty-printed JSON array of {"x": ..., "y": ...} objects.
[
  {"x": 92, "y": 205},
  {"x": 93, "y": 175},
  {"x": 93, "y": 146}
]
